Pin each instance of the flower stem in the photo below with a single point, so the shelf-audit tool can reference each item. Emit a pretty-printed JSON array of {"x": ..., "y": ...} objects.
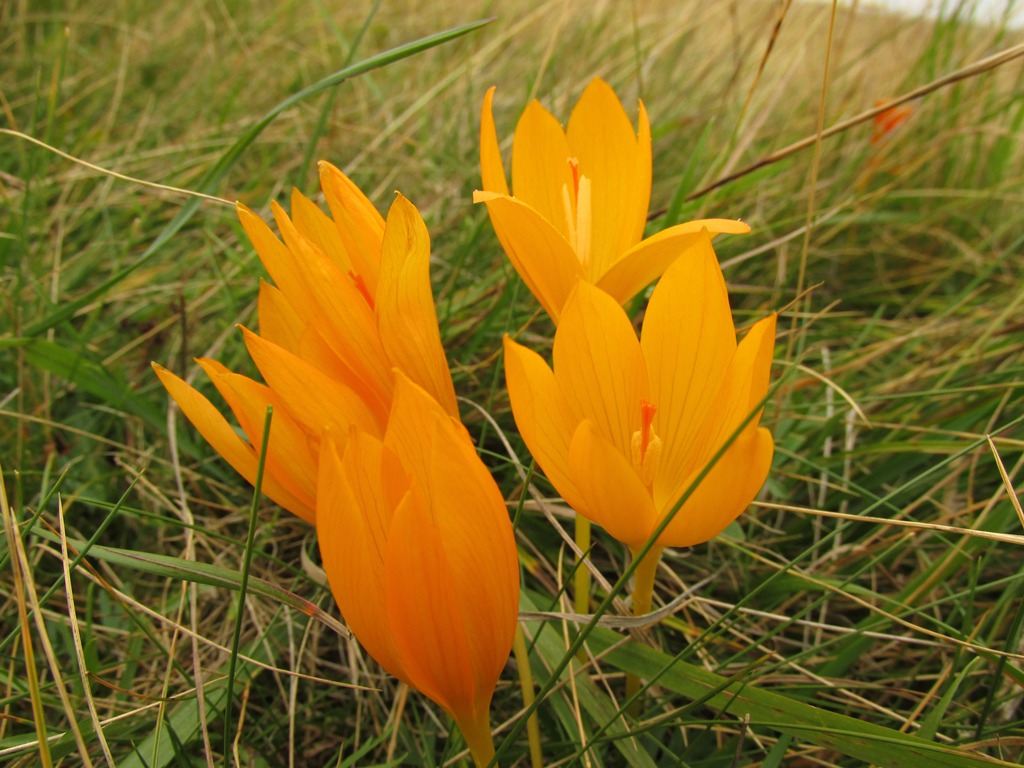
[
  {"x": 477, "y": 733},
  {"x": 581, "y": 578},
  {"x": 643, "y": 595},
  {"x": 526, "y": 684}
]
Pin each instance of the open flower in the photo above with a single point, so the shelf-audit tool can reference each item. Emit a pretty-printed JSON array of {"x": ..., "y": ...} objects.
[
  {"x": 351, "y": 303},
  {"x": 579, "y": 200},
  {"x": 419, "y": 552},
  {"x": 623, "y": 427}
]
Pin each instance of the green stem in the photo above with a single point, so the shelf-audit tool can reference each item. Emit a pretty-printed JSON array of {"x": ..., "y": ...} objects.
[
  {"x": 526, "y": 684},
  {"x": 643, "y": 595}
]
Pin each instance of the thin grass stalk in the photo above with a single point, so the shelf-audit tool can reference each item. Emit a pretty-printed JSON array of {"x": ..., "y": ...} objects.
[{"x": 243, "y": 586}]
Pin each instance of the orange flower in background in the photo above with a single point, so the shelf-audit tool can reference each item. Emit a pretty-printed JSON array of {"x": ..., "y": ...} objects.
[
  {"x": 623, "y": 427},
  {"x": 888, "y": 120},
  {"x": 579, "y": 199},
  {"x": 351, "y": 303},
  {"x": 419, "y": 553}
]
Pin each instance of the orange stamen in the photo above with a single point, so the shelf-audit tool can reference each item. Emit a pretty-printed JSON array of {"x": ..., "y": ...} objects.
[
  {"x": 362, "y": 286},
  {"x": 574, "y": 166},
  {"x": 647, "y": 411}
]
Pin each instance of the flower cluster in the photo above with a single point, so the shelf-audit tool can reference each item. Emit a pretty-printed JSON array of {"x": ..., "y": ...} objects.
[{"x": 655, "y": 439}]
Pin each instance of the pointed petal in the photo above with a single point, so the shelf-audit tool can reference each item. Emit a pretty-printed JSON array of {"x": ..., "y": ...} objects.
[
  {"x": 406, "y": 317},
  {"x": 724, "y": 494},
  {"x": 291, "y": 454},
  {"x": 316, "y": 401},
  {"x": 359, "y": 224},
  {"x": 319, "y": 229},
  {"x": 492, "y": 170},
  {"x": 602, "y": 139},
  {"x": 744, "y": 387},
  {"x": 647, "y": 260},
  {"x": 423, "y": 611},
  {"x": 353, "y": 517},
  {"x": 218, "y": 433},
  {"x": 539, "y": 253},
  {"x": 613, "y": 495},
  {"x": 324, "y": 298},
  {"x": 688, "y": 340},
  {"x": 598, "y": 363},
  {"x": 279, "y": 322},
  {"x": 540, "y": 166},
  {"x": 543, "y": 416},
  {"x": 469, "y": 513}
]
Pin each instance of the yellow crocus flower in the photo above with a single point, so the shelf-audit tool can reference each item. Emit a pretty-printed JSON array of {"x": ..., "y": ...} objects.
[
  {"x": 579, "y": 199},
  {"x": 419, "y": 553},
  {"x": 622, "y": 427},
  {"x": 351, "y": 302}
]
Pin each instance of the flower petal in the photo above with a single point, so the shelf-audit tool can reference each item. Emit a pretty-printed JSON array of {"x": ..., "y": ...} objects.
[
  {"x": 602, "y": 139},
  {"x": 648, "y": 259},
  {"x": 279, "y": 322},
  {"x": 324, "y": 298},
  {"x": 599, "y": 366},
  {"x": 542, "y": 176},
  {"x": 544, "y": 418},
  {"x": 238, "y": 453},
  {"x": 492, "y": 170},
  {"x": 688, "y": 339},
  {"x": 612, "y": 493},
  {"x": 359, "y": 223},
  {"x": 539, "y": 252},
  {"x": 724, "y": 494},
  {"x": 319, "y": 229},
  {"x": 406, "y": 317},
  {"x": 291, "y": 455},
  {"x": 472, "y": 521},
  {"x": 354, "y": 511},
  {"x": 316, "y": 400},
  {"x": 423, "y": 610}
]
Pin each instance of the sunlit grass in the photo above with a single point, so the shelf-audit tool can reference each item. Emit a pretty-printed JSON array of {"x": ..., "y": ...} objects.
[{"x": 899, "y": 389}]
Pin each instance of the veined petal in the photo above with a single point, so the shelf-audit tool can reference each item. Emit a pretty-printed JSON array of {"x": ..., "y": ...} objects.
[
  {"x": 744, "y": 387},
  {"x": 319, "y": 229},
  {"x": 316, "y": 400},
  {"x": 613, "y": 495},
  {"x": 724, "y": 494},
  {"x": 423, "y": 611},
  {"x": 291, "y": 455},
  {"x": 647, "y": 260},
  {"x": 406, "y": 316},
  {"x": 473, "y": 524},
  {"x": 279, "y": 322},
  {"x": 331, "y": 302},
  {"x": 602, "y": 139},
  {"x": 545, "y": 419},
  {"x": 354, "y": 513},
  {"x": 473, "y": 563},
  {"x": 541, "y": 172},
  {"x": 688, "y": 340},
  {"x": 539, "y": 252},
  {"x": 492, "y": 169},
  {"x": 238, "y": 453},
  {"x": 599, "y": 366},
  {"x": 359, "y": 224}
]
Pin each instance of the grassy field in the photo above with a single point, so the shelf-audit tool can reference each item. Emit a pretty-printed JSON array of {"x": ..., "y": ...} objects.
[{"x": 867, "y": 609}]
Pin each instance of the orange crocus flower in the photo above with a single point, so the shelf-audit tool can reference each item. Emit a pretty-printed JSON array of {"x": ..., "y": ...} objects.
[
  {"x": 419, "y": 553},
  {"x": 623, "y": 427},
  {"x": 351, "y": 303},
  {"x": 579, "y": 198}
]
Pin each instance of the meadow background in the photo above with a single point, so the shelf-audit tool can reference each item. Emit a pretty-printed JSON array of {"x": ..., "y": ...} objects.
[{"x": 806, "y": 640}]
